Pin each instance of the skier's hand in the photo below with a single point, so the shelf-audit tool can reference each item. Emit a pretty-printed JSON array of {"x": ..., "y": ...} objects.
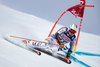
[{"x": 61, "y": 46}]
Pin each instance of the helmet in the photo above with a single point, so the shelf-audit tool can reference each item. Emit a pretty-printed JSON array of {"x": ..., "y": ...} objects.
[{"x": 73, "y": 27}]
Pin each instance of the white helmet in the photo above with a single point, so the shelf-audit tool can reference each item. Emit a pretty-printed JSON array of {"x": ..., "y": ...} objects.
[{"x": 73, "y": 27}]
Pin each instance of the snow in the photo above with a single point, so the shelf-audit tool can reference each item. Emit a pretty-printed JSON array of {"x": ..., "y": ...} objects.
[{"x": 16, "y": 23}]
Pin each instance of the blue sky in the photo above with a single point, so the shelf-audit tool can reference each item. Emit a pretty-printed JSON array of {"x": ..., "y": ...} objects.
[{"x": 52, "y": 9}]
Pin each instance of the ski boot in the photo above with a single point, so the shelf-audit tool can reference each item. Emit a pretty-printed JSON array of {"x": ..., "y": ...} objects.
[{"x": 67, "y": 58}]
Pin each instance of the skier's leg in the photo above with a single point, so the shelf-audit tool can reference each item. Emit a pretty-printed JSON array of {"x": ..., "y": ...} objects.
[
  {"x": 53, "y": 41},
  {"x": 68, "y": 54}
]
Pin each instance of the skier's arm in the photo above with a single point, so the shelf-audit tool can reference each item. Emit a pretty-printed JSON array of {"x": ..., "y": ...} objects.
[
  {"x": 60, "y": 31},
  {"x": 58, "y": 39}
]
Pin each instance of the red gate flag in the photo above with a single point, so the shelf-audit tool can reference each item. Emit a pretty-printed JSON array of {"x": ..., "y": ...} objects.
[{"x": 78, "y": 10}]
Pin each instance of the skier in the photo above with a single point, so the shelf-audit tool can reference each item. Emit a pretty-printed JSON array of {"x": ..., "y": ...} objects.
[{"x": 63, "y": 36}]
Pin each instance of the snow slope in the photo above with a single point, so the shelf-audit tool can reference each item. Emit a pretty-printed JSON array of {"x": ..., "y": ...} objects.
[{"x": 16, "y": 23}]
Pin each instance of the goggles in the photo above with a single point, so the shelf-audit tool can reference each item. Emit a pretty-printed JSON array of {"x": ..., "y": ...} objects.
[{"x": 72, "y": 31}]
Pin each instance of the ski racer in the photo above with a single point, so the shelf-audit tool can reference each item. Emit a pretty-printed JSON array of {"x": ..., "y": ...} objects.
[{"x": 63, "y": 36}]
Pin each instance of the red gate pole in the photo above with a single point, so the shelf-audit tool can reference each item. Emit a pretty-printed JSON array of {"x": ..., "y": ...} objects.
[
  {"x": 57, "y": 22},
  {"x": 78, "y": 34}
]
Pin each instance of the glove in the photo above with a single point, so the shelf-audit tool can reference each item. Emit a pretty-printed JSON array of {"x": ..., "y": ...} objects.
[{"x": 61, "y": 45}]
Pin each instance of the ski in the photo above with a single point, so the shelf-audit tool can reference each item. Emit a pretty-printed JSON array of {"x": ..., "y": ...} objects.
[
  {"x": 24, "y": 41},
  {"x": 64, "y": 56},
  {"x": 36, "y": 51},
  {"x": 33, "y": 50}
]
